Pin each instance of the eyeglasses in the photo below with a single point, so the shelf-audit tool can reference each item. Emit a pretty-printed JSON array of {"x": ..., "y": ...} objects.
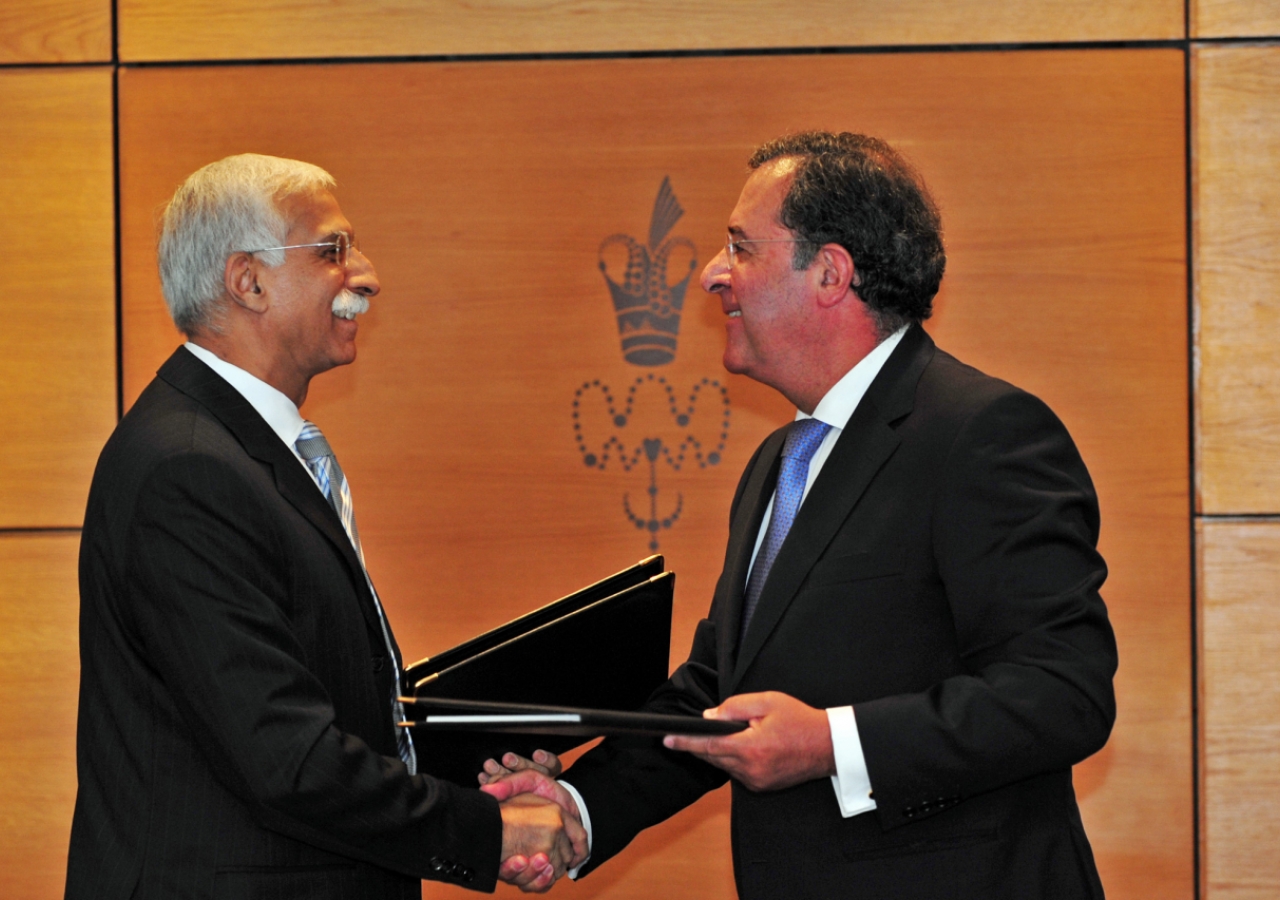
[
  {"x": 732, "y": 246},
  {"x": 342, "y": 246}
]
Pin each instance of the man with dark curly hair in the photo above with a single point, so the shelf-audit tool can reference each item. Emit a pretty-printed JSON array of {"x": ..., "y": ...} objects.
[{"x": 908, "y": 618}]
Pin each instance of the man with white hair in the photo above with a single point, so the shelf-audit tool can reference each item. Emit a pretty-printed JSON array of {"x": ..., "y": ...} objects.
[{"x": 236, "y": 732}]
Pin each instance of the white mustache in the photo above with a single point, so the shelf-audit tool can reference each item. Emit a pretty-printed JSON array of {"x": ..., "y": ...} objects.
[{"x": 349, "y": 304}]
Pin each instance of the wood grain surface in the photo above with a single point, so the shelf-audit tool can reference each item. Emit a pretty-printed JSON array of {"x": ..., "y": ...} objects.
[
  {"x": 57, "y": 349},
  {"x": 1234, "y": 18},
  {"x": 483, "y": 193},
  {"x": 261, "y": 29},
  {"x": 1237, "y": 277},
  {"x": 55, "y": 31},
  {"x": 39, "y": 675},
  {"x": 1240, "y": 702}
]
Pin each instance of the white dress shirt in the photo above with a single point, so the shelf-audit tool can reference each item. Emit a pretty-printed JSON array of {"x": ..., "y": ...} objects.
[{"x": 851, "y": 782}]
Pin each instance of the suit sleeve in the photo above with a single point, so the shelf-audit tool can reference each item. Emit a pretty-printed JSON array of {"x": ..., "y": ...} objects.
[
  {"x": 630, "y": 784},
  {"x": 1014, "y": 539},
  {"x": 206, "y": 578}
]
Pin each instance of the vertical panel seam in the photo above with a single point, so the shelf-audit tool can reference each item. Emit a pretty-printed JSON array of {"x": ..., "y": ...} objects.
[
  {"x": 1197, "y": 862},
  {"x": 115, "y": 187}
]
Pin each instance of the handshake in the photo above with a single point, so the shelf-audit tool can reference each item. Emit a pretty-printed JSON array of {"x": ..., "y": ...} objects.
[
  {"x": 542, "y": 832},
  {"x": 786, "y": 743}
]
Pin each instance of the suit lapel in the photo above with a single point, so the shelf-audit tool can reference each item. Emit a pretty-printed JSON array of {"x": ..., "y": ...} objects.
[
  {"x": 865, "y": 445},
  {"x": 189, "y": 375}
]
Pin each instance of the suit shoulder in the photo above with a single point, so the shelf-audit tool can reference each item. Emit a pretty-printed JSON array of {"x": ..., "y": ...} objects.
[
  {"x": 963, "y": 382},
  {"x": 164, "y": 430},
  {"x": 972, "y": 419},
  {"x": 165, "y": 422},
  {"x": 956, "y": 391}
]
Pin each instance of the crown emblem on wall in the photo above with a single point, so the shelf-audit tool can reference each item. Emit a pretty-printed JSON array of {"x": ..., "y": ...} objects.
[{"x": 648, "y": 306}]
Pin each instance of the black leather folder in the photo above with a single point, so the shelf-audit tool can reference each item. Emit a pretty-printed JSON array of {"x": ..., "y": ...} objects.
[
  {"x": 592, "y": 593},
  {"x": 605, "y": 647},
  {"x": 435, "y": 714}
]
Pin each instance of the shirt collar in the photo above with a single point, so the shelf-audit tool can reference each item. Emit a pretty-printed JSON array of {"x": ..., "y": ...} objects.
[
  {"x": 838, "y": 404},
  {"x": 277, "y": 409}
]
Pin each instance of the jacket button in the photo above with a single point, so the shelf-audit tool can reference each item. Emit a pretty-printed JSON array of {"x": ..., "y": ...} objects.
[{"x": 378, "y": 663}]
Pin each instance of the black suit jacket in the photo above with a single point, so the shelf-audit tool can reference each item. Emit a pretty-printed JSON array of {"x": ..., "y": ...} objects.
[
  {"x": 941, "y": 577},
  {"x": 235, "y": 735}
]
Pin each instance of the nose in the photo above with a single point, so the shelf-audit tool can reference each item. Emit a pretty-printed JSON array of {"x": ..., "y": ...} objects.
[
  {"x": 715, "y": 277},
  {"x": 361, "y": 276}
]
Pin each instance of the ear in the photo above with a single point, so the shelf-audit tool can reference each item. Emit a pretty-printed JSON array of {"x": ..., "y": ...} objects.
[
  {"x": 837, "y": 277},
  {"x": 240, "y": 278}
]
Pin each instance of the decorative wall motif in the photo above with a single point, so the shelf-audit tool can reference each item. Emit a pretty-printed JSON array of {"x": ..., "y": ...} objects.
[
  {"x": 651, "y": 421},
  {"x": 648, "y": 306}
]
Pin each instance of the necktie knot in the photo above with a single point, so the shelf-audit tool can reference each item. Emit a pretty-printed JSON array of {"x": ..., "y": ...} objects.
[
  {"x": 320, "y": 459},
  {"x": 804, "y": 439},
  {"x": 311, "y": 442}
]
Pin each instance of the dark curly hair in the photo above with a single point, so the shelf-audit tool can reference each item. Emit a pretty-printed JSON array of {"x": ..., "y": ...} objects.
[{"x": 858, "y": 192}]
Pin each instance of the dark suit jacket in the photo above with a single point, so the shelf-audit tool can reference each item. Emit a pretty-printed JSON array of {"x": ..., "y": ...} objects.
[
  {"x": 941, "y": 577},
  {"x": 235, "y": 734}
]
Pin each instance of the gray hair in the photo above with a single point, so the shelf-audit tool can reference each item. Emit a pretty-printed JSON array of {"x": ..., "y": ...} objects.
[{"x": 227, "y": 206}]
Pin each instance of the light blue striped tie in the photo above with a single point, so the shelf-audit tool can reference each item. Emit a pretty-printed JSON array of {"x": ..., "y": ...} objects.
[
  {"x": 802, "y": 442},
  {"x": 319, "y": 457}
]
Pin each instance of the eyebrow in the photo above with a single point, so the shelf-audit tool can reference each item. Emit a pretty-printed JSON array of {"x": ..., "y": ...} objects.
[
  {"x": 336, "y": 233},
  {"x": 735, "y": 231}
]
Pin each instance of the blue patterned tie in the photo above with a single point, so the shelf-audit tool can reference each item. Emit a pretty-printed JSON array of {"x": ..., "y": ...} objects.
[
  {"x": 319, "y": 457},
  {"x": 802, "y": 442}
]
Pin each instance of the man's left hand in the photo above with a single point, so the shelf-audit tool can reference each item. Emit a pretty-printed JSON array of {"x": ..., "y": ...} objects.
[
  {"x": 543, "y": 761},
  {"x": 786, "y": 742}
]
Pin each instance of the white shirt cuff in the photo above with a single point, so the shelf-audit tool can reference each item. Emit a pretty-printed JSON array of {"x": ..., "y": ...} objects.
[
  {"x": 851, "y": 781},
  {"x": 586, "y": 822}
]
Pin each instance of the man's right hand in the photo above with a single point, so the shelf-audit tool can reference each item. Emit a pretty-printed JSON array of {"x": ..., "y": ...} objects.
[
  {"x": 534, "y": 783},
  {"x": 541, "y": 840}
]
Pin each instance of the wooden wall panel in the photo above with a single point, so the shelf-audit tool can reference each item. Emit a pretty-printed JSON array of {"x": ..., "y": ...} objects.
[
  {"x": 255, "y": 29},
  {"x": 483, "y": 192},
  {"x": 39, "y": 675},
  {"x": 1234, "y": 18},
  {"x": 1237, "y": 274},
  {"x": 57, "y": 350},
  {"x": 1240, "y": 703},
  {"x": 55, "y": 31}
]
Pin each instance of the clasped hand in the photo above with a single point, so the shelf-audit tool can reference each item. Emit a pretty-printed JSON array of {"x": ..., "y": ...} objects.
[{"x": 542, "y": 833}]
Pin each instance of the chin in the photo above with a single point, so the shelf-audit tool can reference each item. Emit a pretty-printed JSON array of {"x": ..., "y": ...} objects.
[
  {"x": 734, "y": 363},
  {"x": 344, "y": 354}
]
